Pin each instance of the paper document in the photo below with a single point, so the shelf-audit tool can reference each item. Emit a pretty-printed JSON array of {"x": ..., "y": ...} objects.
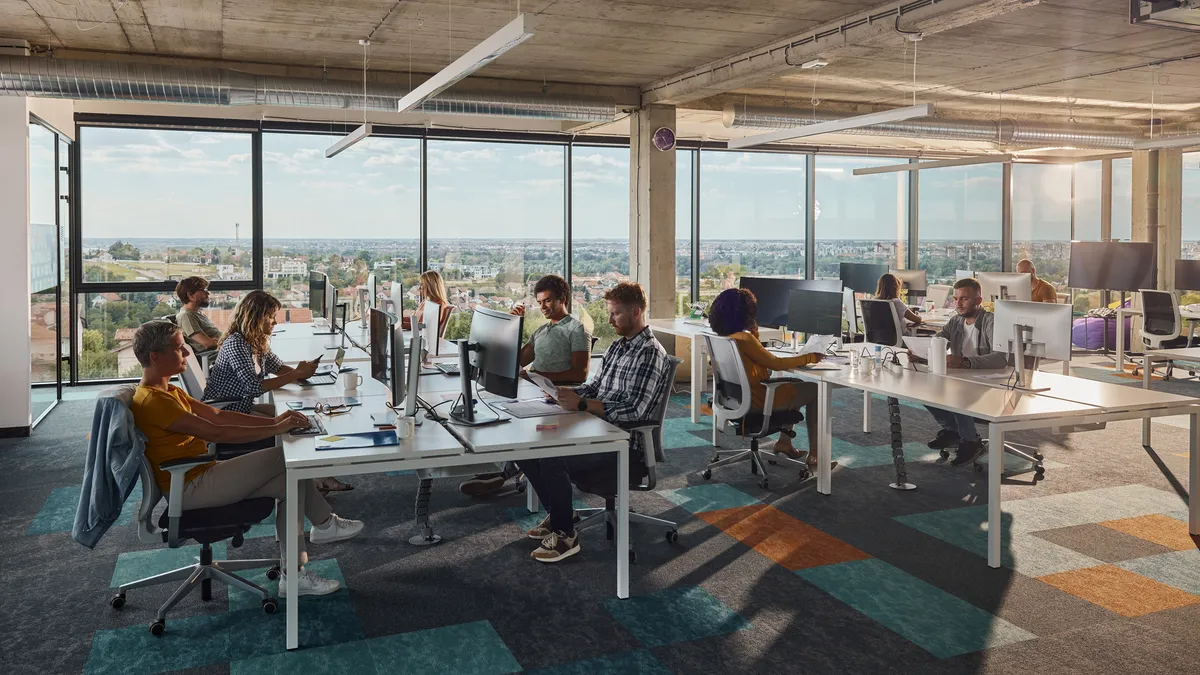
[
  {"x": 919, "y": 346},
  {"x": 532, "y": 408},
  {"x": 818, "y": 344},
  {"x": 548, "y": 388}
]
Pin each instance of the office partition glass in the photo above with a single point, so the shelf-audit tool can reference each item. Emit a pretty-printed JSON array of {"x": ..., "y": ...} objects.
[
  {"x": 599, "y": 232},
  {"x": 684, "y": 165},
  {"x": 161, "y": 205},
  {"x": 752, "y": 217},
  {"x": 44, "y": 323},
  {"x": 1122, "y": 199},
  {"x": 347, "y": 216},
  {"x": 1191, "y": 206},
  {"x": 1041, "y": 219},
  {"x": 496, "y": 223},
  {"x": 961, "y": 220}
]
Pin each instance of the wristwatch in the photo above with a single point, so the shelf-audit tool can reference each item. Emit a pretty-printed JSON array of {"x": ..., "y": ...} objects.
[
  {"x": 582, "y": 405},
  {"x": 966, "y": 363}
]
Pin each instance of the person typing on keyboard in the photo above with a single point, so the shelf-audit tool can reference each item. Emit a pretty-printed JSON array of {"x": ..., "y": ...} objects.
[{"x": 178, "y": 426}]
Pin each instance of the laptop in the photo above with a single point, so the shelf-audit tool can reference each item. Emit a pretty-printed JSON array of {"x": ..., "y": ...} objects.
[{"x": 327, "y": 374}]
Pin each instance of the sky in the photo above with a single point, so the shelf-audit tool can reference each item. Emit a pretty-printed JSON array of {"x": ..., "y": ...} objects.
[{"x": 143, "y": 183}]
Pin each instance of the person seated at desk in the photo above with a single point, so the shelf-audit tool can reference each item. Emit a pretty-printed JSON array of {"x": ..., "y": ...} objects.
[
  {"x": 198, "y": 330},
  {"x": 559, "y": 350},
  {"x": 631, "y": 381},
  {"x": 433, "y": 289},
  {"x": 889, "y": 289},
  {"x": 969, "y": 333},
  {"x": 245, "y": 360},
  {"x": 178, "y": 426},
  {"x": 734, "y": 314},
  {"x": 1041, "y": 290}
]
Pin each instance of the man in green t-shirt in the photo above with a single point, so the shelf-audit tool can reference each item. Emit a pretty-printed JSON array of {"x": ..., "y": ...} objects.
[
  {"x": 559, "y": 350},
  {"x": 197, "y": 329}
]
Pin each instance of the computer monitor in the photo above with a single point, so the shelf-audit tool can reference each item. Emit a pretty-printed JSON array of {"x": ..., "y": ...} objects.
[
  {"x": 490, "y": 356},
  {"x": 431, "y": 317},
  {"x": 815, "y": 312},
  {"x": 772, "y": 295},
  {"x": 380, "y": 336},
  {"x": 317, "y": 285},
  {"x": 1044, "y": 332},
  {"x": 862, "y": 277},
  {"x": 913, "y": 281},
  {"x": 373, "y": 290},
  {"x": 397, "y": 297},
  {"x": 1112, "y": 265},
  {"x": 1006, "y": 286},
  {"x": 963, "y": 274},
  {"x": 1187, "y": 275}
]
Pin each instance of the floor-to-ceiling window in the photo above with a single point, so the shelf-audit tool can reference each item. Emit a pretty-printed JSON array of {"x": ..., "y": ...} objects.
[
  {"x": 1087, "y": 216},
  {"x": 348, "y": 216},
  {"x": 1122, "y": 199},
  {"x": 44, "y": 315},
  {"x": 684, "y": 167},
  {"x": 859, "y": 218},
  {"x": 495, "y": 219},
  {"x": 1041, "y": 219},
  {"x": 1191, "y": 206},
  {"x": 599, "y": 232},
  {"x": 961, "y": 221},
  {"x": 752, "y": 215}
]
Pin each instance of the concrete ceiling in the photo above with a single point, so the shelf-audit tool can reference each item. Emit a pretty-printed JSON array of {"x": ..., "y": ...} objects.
[{"x": 1056, "y": 59}]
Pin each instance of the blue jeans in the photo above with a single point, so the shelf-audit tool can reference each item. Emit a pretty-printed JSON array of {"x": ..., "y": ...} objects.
[{"x": 963, "y": 425}]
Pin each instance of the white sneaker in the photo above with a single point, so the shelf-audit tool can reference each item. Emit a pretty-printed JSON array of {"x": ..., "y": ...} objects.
[
  {"x": 309, "y": 583},
  {"x": 337, "y": 529}
]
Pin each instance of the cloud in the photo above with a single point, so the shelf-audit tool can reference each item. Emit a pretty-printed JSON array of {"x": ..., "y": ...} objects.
[
  {"x": 157, "y": 154},
  {"x": 391, "y": 160},
  {"x": 543, "y": 184},
  {"x": 598, "y": 159},
  {"x": 458, "y": 156},
  {"x": 544, "y": 157},
  {"x": 588, "y": 178}
]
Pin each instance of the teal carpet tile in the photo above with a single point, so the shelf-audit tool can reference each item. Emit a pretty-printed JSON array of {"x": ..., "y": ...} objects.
[
  {"x": 931, "y": 618},
  {"x": 135, "y": 565},
  {"x": 708, "y": 497},
  {"x": 679, "y": 614},
  {"x": 328, "y": 568},
  {"x": 632, "y": 663},
  {"x": 465, "y": 649},
  {"x": 58, "y": 511}
]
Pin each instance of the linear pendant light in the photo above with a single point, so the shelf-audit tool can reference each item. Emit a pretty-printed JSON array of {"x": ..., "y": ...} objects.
[
  {"x": 1169, "y": 142},
  {"x": 348, "y": 140},
  {"x": 834, "y": 126},
  {"x": 936, "y": 164},
  {"x": 517, "y": 31}
]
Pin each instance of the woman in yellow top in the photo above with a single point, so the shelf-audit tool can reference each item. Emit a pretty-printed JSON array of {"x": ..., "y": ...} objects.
[{"x": 734, "y": 314}]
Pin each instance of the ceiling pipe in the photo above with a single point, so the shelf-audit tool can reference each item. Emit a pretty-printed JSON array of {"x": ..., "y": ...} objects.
[{"x": 152, "y": 83}]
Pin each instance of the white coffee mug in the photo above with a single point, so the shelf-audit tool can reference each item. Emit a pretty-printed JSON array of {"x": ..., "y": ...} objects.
[{"x": 350, "y": 381}]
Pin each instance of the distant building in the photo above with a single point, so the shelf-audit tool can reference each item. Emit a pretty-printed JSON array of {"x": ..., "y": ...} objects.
[
  {"x": 105, "y": 298},
  {"x": 280, "y": 266}
]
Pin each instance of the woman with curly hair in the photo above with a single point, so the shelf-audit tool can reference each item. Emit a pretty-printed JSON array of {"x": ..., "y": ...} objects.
[{"x": 734, "y": 314}]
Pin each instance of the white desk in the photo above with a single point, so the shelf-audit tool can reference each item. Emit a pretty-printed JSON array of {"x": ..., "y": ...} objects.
[
  {"x": 1186, "y": 315},
  {"x": 434, "y": 446},
  {"x": 1005, "y": 411}
]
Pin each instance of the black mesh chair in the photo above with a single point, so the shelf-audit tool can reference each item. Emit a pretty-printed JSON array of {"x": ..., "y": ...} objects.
[
  {"x": 175, "y": 526},
  {"x": 883, "y": 326}
]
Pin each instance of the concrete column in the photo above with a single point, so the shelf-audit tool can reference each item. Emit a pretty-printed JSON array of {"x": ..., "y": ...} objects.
[
  {"x": 1158, "y": 205},
  {"x": 652, "y": 209},
  {"x": 15, "y": 411}
]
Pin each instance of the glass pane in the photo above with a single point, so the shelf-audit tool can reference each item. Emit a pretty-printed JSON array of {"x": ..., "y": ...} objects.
[
  {"x": 859, "y": 218},
  {"x": 43, "y": 266},
  {"x": 348, "y": 216},
  {"x": 1041, "y": 217},
  {"x": 1191, "y": 206},
  {"x": 961, "y": 220},
  {"x": 599, "y": 234},
  {"x": 684, "y": 160},
  {"x": 1088, "y": 178},
  {"x": 1122, "y": 199},
  {"x": 752, "y": 209},
  {"x": 495, "y": 224},
  {"x": 138, "y": 185},
  {"x": 110, "y": 319}
]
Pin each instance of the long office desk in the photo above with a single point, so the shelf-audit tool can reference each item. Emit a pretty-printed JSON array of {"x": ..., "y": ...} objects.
[
  {"x": 1068, "y": 402},
  {"x": 1187, "y": 315},
  {"x": 436, "y": 447}
]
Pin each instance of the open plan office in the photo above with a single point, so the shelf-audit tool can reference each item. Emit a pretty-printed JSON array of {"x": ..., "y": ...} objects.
[{"x": 600, "y": 337}]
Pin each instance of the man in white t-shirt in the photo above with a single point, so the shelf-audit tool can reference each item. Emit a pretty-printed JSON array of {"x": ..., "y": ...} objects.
[{"x": 970, "y": 337}]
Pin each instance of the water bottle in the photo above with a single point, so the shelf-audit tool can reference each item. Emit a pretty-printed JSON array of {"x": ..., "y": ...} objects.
[{"x": 878, "y": 359}]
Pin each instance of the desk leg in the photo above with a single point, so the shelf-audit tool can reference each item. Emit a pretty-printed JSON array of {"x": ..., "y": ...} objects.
[
  {"x": 866, "y": 412},
  {"x": 1147, "y": 366},
  {"x": 292, "y": 566},
  {"x": 1194, "y": 475},
  {"x": 531, "y": 498},
  {"x": 1120, "y": 367},
  {"x": 698, "y": 381},
  {"x": 995, "y": 470},
  {"x": 623, "y": 523},
  {"x": 824, "y": 437}
]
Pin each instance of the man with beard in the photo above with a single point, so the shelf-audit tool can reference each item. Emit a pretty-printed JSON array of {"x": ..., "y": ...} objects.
[{"x": 198, "y": 330}]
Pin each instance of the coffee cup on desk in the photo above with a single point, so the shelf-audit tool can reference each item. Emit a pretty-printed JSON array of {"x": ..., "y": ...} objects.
[{"x": 350, "y": 382}]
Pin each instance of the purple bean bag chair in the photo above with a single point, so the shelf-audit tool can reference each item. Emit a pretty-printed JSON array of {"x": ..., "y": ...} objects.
[{"x": 1093, "y": 332}]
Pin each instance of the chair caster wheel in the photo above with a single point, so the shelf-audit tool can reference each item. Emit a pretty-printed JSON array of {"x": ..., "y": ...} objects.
[
  {"x": 805, "y": 474},
  {"x": 978, "y": 467},
  {"x": 520, "y": 488},
  {"x": 672, "y": 536},
  {"x": 158, "y": 628},
  {"x": 273, "y": 574},
  {"x": 763, "y": 484},
  {"x": 1038, "y": 456},
  {"x": 716, "y": 458},
  {"x": 706, "y": 474},
  {"x": 772, "y": 462},
  {"x": 117, "y": 601},
  {"x": 632, "y": 556},
  {"x": 270, "y": 605},
  {"x": 1040, "y": 471},
  {"x": 944, "y": 454}
]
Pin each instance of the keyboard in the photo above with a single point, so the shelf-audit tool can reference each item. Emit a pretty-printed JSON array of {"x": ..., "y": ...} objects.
[
  {"x": 696, "y": 322},
  {"x": 316, "y": 428},
  {"x": 320, "y": 378},
  {"x": 447, "y": 368}
]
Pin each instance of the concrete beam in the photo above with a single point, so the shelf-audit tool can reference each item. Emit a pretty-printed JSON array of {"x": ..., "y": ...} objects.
[{"x": 872, "y": 27}]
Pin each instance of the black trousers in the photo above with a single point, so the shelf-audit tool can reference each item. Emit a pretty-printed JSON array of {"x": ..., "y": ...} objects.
[{"x": 551, "y": 478}]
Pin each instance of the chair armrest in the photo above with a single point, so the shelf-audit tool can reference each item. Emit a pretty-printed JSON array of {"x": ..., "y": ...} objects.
[
  {"x": 178, "y": 469},
  {"x": 773, "y": 382},
  {"x": 646, "y": 431}
]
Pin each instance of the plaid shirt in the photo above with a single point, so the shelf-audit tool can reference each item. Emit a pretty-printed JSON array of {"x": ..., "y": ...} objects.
[
  {"x": 631, "y": 381},
  {"x": 234, "y": 376}
]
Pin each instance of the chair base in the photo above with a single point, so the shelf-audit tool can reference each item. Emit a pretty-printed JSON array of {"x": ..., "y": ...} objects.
[
  {"x": 201, "y": 575},
  {"x": 754, "y": 456},
  {"x": 1031, "y": 455},
  {"x": 596, "y": 516}
]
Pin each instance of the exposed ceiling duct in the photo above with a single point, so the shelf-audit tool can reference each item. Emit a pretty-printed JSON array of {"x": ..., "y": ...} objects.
[
  {"x": 123, "y": 81},
  {"x": 1002, "y": 132}
]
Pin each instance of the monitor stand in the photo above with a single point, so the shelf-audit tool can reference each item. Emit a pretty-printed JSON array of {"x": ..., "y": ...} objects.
[{"x": 463, "y": 414}]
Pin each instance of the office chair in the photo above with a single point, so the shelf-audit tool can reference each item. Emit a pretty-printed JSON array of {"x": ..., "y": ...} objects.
[
  {"x": 939, "y": 294},
  {"x": 603, "y": 484},
  {"x": 205, "y": 356},
  {"x": 731, "y": 406},
  {"x": 1162, "y": 326},
  {"x": 850, "y": 314},
  {"x": 883, "y": 326},
  {"x": 204, "y": 526}
]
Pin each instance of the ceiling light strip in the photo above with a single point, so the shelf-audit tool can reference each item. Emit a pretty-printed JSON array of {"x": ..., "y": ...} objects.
[
  {"x": 1169, "y": 142},
  {"x": 834, "y": 126}
]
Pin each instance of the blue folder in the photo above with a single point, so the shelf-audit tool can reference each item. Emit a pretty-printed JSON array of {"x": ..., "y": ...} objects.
[{"x": 366, "y": 439}]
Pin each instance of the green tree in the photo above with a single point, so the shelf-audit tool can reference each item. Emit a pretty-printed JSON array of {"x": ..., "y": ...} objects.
[{"x": 123, "y": 251}]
